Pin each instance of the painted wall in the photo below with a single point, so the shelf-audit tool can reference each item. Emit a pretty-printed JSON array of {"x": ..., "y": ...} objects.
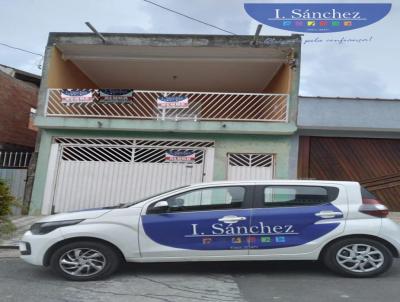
[
  {"x": 281, "y": 82},
  {"x": 64, "y": 74},
  {"x": 282, "y": 146},
  {"x": 349, "y": 114}
]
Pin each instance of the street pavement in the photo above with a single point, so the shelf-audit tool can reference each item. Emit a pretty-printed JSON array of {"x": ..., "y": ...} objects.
[{"x": 294, "y": 281}]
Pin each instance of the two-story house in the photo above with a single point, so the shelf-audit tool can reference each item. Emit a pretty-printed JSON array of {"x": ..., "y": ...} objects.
[{"x": 139, "y": 114}]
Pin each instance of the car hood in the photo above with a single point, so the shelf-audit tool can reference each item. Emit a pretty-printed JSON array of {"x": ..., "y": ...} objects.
[{"x": 85, "y": 214}]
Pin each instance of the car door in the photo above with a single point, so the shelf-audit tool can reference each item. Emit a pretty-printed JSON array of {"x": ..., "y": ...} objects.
[
  {"x": 208, "y": 221},
  {"x": 296, "y": 219}
]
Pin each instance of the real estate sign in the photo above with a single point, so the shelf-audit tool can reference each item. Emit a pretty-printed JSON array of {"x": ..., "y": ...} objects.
[
  {"x": 172, "y": 102},
  {"x": 317, "y": 18},
  {"x": 70, "y": 96}
]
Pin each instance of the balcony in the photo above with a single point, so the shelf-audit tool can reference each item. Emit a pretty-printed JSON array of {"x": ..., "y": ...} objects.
[{"x": 163, "y": 105}]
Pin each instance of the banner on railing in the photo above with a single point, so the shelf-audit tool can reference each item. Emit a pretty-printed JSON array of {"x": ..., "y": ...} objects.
[
  {"x": 172, "y": 102},
  {"x": 111, "y": 96},
  {"x": 70, "y": 96},
  {"x": 180, "y": 156}
]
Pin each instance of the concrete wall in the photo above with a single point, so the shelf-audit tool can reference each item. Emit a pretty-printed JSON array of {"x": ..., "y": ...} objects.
[
  {"x": 374, "y": 115},
  {"x": 285, "y": 147}
]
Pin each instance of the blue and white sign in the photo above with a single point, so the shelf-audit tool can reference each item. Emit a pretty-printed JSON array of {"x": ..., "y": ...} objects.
[
  {"x": 317, "y": 18},
  {"x": 180, "y": 156},
  {"x": 70, "y": 96},
  {"x": 107, "y": 96},
  {"x": 172, "y": 102},
  {"x": 267, "y": 228}
]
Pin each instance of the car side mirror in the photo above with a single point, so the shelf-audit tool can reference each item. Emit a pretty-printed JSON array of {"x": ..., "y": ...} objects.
[
  {"x": 159, "y": 207},
  {"x": 161, "y": 204}
]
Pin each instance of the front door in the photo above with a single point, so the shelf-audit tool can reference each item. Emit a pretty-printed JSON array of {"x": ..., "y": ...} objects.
[
  {"x": 296, "y": 219},
  {"x": 212, "y": 221}
]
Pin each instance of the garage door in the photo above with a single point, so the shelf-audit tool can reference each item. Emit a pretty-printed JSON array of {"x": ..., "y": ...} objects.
[
  {"x": 250, "y": 166},
  {"x": 375, "y": 163},
  {"x": 94, "y": 173}
]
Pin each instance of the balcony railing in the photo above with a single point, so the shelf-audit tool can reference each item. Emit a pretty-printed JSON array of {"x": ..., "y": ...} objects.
[{"x": 206, "y": 106}]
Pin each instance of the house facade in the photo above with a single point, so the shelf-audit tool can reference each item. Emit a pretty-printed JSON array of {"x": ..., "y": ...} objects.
[
  {"x": 140, "y": 114},
  {"x": 352, "y": 139}
]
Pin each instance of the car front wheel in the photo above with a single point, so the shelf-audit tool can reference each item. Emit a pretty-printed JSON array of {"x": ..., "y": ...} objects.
[
  {"x": 85, "y": 261},
  {"x": 358, "y": 257}
]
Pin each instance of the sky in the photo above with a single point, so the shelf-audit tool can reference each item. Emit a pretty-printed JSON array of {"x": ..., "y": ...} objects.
[{"x": 366, "y": 70}]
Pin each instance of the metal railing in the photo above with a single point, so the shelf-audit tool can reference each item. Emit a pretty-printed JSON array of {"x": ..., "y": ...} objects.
[
  {"x": 201, "y": 106},
  {"x": 14, "y": 159}
]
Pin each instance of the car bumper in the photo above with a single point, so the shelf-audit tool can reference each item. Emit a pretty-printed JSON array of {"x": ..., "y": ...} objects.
[
  {"x": 390, "y": 231},
  {"x": 34, "y": 247}
]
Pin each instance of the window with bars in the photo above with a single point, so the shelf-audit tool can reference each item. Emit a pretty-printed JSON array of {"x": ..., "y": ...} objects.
[
  {"x": 250, "y": 160},
  {"x": 14, "y": 160}
]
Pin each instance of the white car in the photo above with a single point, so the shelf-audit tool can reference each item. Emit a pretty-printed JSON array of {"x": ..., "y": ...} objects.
[{"x": 337, "y": 222}]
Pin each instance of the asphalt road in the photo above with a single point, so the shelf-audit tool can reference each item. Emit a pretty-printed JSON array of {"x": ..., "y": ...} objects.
[{"x": 187, "y": 282}]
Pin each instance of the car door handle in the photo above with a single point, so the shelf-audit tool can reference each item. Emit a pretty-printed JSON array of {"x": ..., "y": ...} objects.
[
  {"x": 232, "y": 219},
  {"x": 328, "y": 214}
]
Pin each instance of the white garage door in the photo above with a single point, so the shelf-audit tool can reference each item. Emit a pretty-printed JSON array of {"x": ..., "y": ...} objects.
[
  {"x": 94, "y": 173},
  {"x": 250, "y": 166}
]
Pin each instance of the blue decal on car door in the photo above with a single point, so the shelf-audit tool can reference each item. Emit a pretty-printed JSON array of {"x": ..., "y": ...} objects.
[
  {"x": 262, "y": 228},
  {"x": 202, "y": 230},
  {"x": 289, "y": 226}
]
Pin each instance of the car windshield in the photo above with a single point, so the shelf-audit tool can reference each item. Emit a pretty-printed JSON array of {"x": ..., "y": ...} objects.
[{"x": 129, "y": 204}]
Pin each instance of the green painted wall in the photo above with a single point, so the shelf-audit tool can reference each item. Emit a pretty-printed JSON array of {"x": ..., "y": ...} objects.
[{"x": 224, "y": 143}]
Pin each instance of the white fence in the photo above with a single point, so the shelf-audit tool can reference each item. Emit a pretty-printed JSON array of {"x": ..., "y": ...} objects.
[
  {"x": 14, "y": 159},
  {"x": 13, "y": 169},
  {"x": 143, "y": 104}
]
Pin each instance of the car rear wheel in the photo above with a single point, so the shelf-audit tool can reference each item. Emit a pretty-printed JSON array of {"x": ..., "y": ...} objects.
[
  {"x": 358, "y": 257},
  {"x": 85, "y": 261}
]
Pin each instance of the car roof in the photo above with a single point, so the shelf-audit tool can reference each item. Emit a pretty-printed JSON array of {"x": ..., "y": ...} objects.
[{"x": 277, "y": 182}]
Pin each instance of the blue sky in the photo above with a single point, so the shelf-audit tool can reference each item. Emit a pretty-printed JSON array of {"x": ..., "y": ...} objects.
[{"x": 328, "y": 69}]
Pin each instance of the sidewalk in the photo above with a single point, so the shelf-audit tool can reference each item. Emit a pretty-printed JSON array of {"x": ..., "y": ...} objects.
[{"x": 22, "y": 224}]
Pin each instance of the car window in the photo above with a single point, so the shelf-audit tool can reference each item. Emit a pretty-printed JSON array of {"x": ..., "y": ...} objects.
[
  {"x": 206, "y": 199},
  {"x": 129, "y": 204},
  {"x": 367, "y": 194},
  {"x": 286, "y": 196}
]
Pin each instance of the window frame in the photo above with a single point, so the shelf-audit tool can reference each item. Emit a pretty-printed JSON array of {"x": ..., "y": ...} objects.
[
  {"x": 246, "y": 204},
  {"x": 259, "y": 196}
]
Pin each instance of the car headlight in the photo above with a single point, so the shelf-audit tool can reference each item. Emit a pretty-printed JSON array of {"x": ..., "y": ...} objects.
[{"x": 42, "y": 228}]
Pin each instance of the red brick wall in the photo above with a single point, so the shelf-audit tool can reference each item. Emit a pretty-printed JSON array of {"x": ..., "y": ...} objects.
[{"x": 16, "y": 99}]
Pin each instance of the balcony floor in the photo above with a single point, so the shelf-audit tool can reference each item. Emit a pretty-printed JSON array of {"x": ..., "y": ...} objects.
[{"x": 244, "y": 127}]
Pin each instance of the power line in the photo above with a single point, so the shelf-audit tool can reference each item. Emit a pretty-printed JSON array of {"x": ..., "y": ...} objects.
[
  {"x": 189, "y": 17},
  {"x": 21, "y": 49}
]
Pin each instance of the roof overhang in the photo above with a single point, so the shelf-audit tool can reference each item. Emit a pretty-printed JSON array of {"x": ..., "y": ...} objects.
[{"x": 178, "y": 62}]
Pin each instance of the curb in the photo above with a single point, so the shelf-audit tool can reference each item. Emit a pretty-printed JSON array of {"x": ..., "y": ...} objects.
[
  {"x": 8, "y": 247},
  {"x": 9, "y": 244}
]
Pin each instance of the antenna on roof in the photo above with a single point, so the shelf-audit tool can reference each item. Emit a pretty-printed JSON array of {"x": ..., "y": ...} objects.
[
  {"x": 257, "y": 34},
  {"x": 96, "y": 32}
]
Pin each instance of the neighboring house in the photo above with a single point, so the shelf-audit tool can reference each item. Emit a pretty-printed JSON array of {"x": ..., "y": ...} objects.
[
  {"x": 352, "y": 139},
  {"x": 233, "y": 116},
  {"x": 18, "y": 102}
]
